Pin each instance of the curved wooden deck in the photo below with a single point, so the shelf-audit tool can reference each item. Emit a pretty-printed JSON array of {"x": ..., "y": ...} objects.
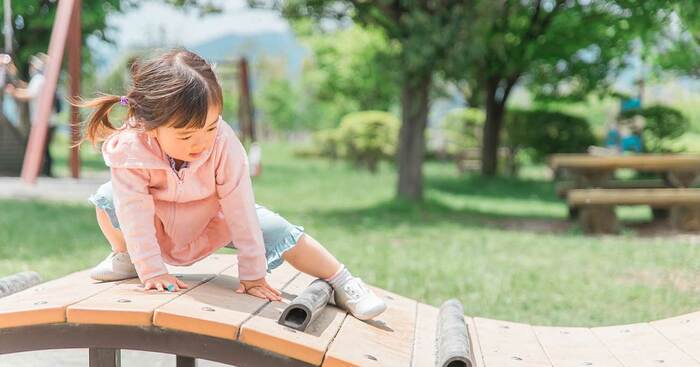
[{"x": 209, "y": 320}]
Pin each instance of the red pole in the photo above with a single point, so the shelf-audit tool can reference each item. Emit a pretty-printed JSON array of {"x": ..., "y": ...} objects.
[
  {"x": 74, "y": 48},
  {"x": 245, "y": 108},
  {"x": 37, "y": 138}
]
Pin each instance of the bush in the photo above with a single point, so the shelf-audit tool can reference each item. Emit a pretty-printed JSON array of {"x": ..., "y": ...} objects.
[
  {"x": 542, "y": 132},
  {"x": 367, "y": 137},
  {"x": 326, "y": 143},
  {"x": 462, "y": 129},
  {"x": 662, "y": 126}
]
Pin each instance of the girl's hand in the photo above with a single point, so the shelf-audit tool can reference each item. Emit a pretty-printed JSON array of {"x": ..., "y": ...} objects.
[
  {"x": 161, "y": 283},
  {"x": 259, "y": 288}
]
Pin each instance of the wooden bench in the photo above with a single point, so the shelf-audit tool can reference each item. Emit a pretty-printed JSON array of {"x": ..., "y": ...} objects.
[
  {"x": 562, "y": 188},
  {"x": 597, "y": 206},
  {"x": 210, "y": 321}
]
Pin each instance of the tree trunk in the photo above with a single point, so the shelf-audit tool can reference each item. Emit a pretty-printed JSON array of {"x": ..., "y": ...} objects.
[
  {"x": 415, "y": 91},
  {"x": 492, "y": 129}
]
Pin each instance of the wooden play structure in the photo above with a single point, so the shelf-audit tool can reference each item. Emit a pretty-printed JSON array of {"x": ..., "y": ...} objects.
[
  {"x": 592, "y": 193},
  {"x": 210, "y": 321}
]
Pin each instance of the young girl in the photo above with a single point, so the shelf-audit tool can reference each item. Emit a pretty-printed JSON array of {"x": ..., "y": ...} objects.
[{"x": 181, "y": 189}]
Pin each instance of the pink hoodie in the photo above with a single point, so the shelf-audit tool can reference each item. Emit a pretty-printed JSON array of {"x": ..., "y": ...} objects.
[{"x": 180, "y": 220}]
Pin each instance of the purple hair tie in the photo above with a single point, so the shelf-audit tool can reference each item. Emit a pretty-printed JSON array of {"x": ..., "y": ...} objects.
[{"x": 123, "y": 101}]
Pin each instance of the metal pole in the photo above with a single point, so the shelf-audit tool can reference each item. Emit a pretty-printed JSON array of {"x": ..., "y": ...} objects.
[{"x": 7, "y": 28}]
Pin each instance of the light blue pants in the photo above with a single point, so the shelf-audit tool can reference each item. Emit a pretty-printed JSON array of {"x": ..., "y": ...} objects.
[{"x": 278, "y": 234}]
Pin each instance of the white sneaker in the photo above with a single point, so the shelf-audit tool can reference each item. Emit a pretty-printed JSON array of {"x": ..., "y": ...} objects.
[
  {"x": 117, "y": 266},
  {"x": 355, "y": 297}
]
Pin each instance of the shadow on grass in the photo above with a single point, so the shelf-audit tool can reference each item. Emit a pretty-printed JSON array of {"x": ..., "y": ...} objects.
[
  {"x": 496, "y": 187},
  {"x": 428, "y": 213}
]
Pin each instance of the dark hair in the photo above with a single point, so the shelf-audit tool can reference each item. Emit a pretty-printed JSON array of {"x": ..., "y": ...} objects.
[{"x": 175, "y": 88}]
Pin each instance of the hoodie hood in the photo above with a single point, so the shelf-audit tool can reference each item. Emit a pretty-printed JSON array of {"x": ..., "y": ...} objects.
[{"x": 134, "y": 148}]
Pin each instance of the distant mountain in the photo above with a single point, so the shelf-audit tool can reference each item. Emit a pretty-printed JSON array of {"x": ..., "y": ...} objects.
[{"x": 254, "y": 46}]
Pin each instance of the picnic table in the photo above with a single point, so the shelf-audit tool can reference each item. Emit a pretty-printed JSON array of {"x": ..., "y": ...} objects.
[
  {"x": 210, "y": 321},
  {"x": 589, "y": 171},
  {"x": 594, "y": 189}
]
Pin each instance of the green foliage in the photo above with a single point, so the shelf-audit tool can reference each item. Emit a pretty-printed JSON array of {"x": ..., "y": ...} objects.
[
  {"x": 461, "y": 129},
  {"x": 280, "y": 105},
  {"x": 357, "y": 65},
  {"x": 326, "y": 143},
  {"x": 662, "y": 126},
  {"x": 542, "y": 132},
  {"x": 367, "y": 137},
  {"x": 364, "y": 138},
  {"x": 680, "y": 49},
  {"x": 352, "y": 69}
]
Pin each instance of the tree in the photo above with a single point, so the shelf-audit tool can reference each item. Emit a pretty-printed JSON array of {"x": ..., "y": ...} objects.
[
  {"x": 356, "y": 67},
  {"x": 424, "y": 32},
  {"x": 680, "y": 49},
  {"x": 558, "y": 48},
  {"x": 33, "y": 20}
]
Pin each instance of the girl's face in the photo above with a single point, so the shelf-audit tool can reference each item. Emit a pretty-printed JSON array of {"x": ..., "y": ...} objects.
[{"x": 189, "y": 144}]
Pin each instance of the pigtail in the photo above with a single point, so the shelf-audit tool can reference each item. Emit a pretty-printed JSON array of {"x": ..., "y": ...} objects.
[{"x": 97, "y": 126}]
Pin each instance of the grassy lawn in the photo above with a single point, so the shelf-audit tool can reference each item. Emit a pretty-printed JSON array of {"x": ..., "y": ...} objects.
[{"x": 452, "y": 245}]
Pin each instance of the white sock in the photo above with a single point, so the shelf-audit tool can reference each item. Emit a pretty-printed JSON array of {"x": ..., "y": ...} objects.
[{"x": 340, "y": 277}]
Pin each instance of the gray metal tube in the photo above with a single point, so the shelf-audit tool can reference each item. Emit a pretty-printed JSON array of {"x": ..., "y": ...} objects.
[
  {"x": 307, "y": 306},
  {"x": 452, "y": 339},
  {"x": 18, "y": 282}
]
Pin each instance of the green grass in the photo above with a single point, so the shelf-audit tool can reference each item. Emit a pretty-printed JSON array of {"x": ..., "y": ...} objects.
[{"x": 452, "y": 245}]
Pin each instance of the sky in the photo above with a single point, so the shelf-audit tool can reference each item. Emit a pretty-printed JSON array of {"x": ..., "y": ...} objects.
[{"x": 143, "y": 25}]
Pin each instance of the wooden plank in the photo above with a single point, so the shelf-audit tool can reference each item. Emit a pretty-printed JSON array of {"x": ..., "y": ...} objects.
[
  {"x": 476, "y": 343},
  {"x": 640, "y": 345},
  {"x": 214, "y": 308},
  {"x": 129, "y": 304},
  {"x": 384, "y": 341},
  {"x": 642, "y": 162},
  {"x": 263, "y": 330},
  {"x": 574, "y": 347},
  {"x": 47, "y": 302},
  {"x": 683, "y": 331},
  {"x": 506, "y": 344},
  {"x": 424, "y": 346},
  {"x": 653, "y": 197},
  {"x": 562, "y": 187}
]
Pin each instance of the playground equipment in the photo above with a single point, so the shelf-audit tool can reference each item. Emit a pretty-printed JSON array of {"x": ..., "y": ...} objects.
[
  {"x": 66, "y": 35},
  {"x": 209, "y": 320},
  {"x": 307, "y": 306}
]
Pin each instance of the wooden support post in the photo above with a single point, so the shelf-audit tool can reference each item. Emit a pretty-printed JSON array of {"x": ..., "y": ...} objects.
[
  {"x": 306, "y": 306},
  {"x": 586, "y": 178},
  {"x": 182, "y": 361},
  {"x": 18, "y": 282},
  {"x": 74, "y": 50},
  {"x": 686, "y": 218},
  {"x": 245, "y": 106},
  {"x": 453, "y": 344},
  {"x": 105, "y": 357},
  {"x": 598, "y": 219},
  {"x": 681, "y": 178}
]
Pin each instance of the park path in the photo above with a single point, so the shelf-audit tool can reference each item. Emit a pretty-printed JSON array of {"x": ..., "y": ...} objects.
[{"x": 61, "y": 189}]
